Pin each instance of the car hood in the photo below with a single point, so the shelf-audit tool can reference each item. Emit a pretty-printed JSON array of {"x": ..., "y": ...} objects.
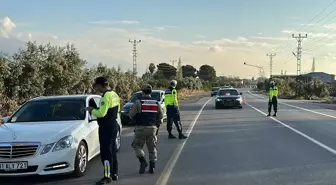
[
  {"x": 229, "y": 97},
  {"x": 44, "y": 132}
]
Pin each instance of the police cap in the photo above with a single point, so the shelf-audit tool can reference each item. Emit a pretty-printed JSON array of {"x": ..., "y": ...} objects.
[{"x": 101, "y": 81}]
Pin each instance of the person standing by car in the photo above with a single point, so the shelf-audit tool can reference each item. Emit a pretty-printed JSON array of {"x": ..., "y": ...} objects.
[
  {"x": 173, "y": 113},
  {"x": 273, "y": 99},
  {"x": 148, "y": 116},
  {"x": 107, "y": 114}
]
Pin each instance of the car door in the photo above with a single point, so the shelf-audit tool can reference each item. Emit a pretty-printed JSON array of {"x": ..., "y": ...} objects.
[
  {"x": 163, "y": 105},
  {"x": 94, "y": 139}
]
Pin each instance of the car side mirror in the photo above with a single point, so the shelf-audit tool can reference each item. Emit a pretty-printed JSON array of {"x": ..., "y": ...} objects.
[
  {"x": 5, "y": 119},
  {"x": 241, "y": 93}
]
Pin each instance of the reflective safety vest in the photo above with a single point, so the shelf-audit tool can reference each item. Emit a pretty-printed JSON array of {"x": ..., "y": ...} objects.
[
  {"x": 171, "y": 97},
  {"x": 273, "y": 92},
  {"x": 149, "y": 112},
  {"x": 109, "y": 107}
]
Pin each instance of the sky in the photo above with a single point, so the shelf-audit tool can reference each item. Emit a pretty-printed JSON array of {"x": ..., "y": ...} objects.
[{"x": 220, "y": 33}]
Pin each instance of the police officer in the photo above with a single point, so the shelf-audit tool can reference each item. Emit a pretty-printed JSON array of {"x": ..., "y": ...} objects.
[
  {"x": 173, "y": 113},
  {"x": 273, "y": 99},
  {"x": 148, "y": 116},
  {"x": 109, "y": 107}
]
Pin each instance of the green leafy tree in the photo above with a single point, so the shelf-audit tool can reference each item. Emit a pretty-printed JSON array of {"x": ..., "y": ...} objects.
[
  {"x": 189, "y": 71},
  {"x": 207, "y": 73},
  {"x": 168, "y": 71}
]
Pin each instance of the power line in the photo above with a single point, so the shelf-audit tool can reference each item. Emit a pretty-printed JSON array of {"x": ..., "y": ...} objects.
[
  {"x": 271, "y": 62},
  {"x": 284, "y": 46},
  {"x": 134, "y": 43}
]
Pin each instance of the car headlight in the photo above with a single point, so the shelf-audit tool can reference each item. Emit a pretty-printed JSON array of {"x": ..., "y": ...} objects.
[
  {"x": 47, "y": 148},
  {"x": 217, "y": 99},
  {"x": 63, "y": 143}
]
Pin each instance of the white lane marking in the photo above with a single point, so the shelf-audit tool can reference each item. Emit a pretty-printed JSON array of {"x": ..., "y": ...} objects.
[
  {"x": 327, "y": 115},
  {"x": 164, "y": 177},
  {"x": 298, "y": 132}
]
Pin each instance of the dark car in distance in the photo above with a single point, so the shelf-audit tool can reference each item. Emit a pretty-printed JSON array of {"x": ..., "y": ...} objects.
[
  {"x": 214, "y": 91},
  {"x": 157, "y": 94},
  {"x": 229, "y": 98}
]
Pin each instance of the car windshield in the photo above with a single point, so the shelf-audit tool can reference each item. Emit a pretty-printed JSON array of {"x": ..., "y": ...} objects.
[
  {"x": 50, "y": 110},
  {"x": 155, "y": 95},
  {"x": 215, "y": 89},
  {"x": 228, "y": 92}
]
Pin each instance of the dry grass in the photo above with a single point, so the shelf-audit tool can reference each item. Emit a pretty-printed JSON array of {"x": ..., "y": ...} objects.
[{"x": 185, "y": 93}]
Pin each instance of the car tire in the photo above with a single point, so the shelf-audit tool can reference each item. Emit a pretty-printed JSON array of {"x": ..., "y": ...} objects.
[
  {"x": 216, "y": 107},
  {"x": 81, "y": 160},
  {"x": 240, "y": 107},
  {"x": 118, "y": 140}
]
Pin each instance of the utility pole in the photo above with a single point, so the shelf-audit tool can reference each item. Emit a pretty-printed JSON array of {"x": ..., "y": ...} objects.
[
  {"x": 179, "y": 69},
  {"x": 271, "y": 62},
  {"x": 298, "y": 55},
  {"x": 173, "y": 62},
  {"x": 134, "y": 43},
  {"x": 313, "y": 65}
]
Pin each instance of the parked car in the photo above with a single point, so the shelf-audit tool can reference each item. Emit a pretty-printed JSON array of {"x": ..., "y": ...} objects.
[
  {"x": 157, "y": 94},
  {"x": 51, "y": 135}
]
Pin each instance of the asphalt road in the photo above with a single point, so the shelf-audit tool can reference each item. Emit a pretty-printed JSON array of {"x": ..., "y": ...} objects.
[{"x": 232, "y": 147}]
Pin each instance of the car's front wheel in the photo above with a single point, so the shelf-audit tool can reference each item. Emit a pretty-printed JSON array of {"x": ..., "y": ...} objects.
[
  {"x": 81, "y": 160},
  {"x": 118, "y": 140}
]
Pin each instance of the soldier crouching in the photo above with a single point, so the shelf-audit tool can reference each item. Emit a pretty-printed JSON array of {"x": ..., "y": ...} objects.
[{"x": 148, "y": 116}]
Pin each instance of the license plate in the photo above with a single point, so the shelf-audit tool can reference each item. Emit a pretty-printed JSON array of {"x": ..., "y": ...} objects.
[
  {"x": 14, "y": 166},
  {"x": 228, "y": 102}
]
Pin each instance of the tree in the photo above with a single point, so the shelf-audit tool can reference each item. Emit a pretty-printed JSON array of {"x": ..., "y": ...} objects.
[
  {"x": 189, "y": 71},
  {"x": 167, "y": 70},
  {"x": 207, "y": 73},
  {"x": 151, "y": 68}
]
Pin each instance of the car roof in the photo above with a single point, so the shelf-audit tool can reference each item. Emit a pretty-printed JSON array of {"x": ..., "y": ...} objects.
[
  {"x": 64, "y": 97},
  {"x": 153, "y": 91}
]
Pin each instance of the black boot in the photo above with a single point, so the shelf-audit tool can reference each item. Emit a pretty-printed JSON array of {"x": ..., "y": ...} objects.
[
  {"x": 182, "y": 136},
  {"x": 171, "y": 136},
  {"x": 151, "y": 167},
  {"x": 104, "y": 180},
  {"x": 115, "y": 177},
  {"x": 143, "y": 165},
  {"x": 275, "y": 114},
  {"x": 269, "y": 114}
]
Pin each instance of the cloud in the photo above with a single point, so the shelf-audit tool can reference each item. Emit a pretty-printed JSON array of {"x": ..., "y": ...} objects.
[
  {"x": 240, "y": 43},
  {"x": 7, "y": 25},
  {"x": 114, "y": 22},
  {"x": 161, "y": 28},
  {"x": 271, "y": 38},
  {"x": 215, "y": 48},
  {"x": 200, "y": 36},
  {"x": 111, "y": 46},
  {"x": 330, "y": 26}
]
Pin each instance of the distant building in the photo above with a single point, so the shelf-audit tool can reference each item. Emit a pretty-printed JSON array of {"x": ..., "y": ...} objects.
[{"x": 324, "y": 77}]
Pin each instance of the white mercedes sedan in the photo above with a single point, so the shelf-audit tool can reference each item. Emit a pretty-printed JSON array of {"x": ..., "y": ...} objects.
[{"x": 50, "y": 135}]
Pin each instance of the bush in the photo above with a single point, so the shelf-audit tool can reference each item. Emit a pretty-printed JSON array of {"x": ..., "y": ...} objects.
[{"x": 309, "y": 90}]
